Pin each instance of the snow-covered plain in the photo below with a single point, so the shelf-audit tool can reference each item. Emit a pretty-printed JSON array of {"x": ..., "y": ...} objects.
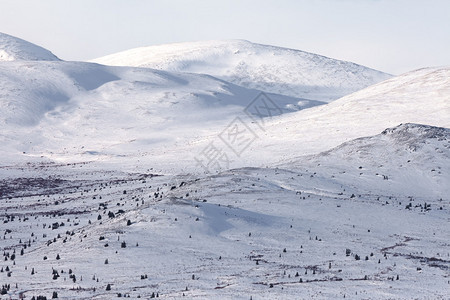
[
  {"x": 102, "y": 195},
  {"x": 268, "y": 68}
]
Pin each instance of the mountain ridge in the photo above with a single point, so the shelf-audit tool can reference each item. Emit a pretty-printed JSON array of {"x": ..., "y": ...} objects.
[
  {"x": 269, "y": 68},
  {"x": 13, "y": 48}
]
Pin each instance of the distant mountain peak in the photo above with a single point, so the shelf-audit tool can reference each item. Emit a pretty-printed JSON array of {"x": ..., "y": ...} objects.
[
  {"x": 13, "y": 48},
  {"x": 272, "y": 69}
]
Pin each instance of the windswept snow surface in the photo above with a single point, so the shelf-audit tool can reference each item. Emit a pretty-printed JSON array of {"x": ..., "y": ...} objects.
[
  {"x": 12, "y": 48},
  {"x": 272, "y": 69}
]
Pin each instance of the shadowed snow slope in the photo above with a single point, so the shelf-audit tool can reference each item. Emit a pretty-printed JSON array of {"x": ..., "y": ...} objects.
[
  {"x": 12, "y": 48},
  {"x": 268, "y": 68},
  {"x": 76, "y": 107}
]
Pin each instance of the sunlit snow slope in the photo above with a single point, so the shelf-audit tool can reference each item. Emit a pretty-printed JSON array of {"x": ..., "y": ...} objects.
[
  {"x": 268, "y": 68},
  {"x": 421, "y": 96},
  {"x": 12, "y": 48}
]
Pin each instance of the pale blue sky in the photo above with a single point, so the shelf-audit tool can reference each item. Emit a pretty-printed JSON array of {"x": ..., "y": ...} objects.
[{"x": 390, "y": 35}]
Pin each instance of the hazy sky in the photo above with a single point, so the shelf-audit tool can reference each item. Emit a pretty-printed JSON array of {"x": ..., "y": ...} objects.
[{"x": 390, "y": 35}]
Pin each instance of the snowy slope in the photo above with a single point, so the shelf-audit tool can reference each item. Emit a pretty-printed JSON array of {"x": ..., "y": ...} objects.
[
  {"x": 13, "y": 48},
  {"x": 101, "y": 196},
  {"x": 421, "y": 96},
  {"x": 75, "y": 108},
  {"x": 247, "y": 233},
  {"x": 409, "y": 159},
  {"x": 268, "y": 68},
  {"x": 81, "y": 111}
]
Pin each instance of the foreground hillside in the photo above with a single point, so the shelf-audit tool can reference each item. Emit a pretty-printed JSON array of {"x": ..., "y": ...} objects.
[
  {"x": 272, "y": 69},
  {"x": 330, "y": 229}
]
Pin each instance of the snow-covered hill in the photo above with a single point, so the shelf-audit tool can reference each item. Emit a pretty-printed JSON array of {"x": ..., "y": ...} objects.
[
  {"x": 268, "y": 68},
  {"x": 421, "y": 96},
  {"x": 13, "y": 48},
  {"x": 73, "y": 111},
  {"x": 102, "y": 194},
  {"x": 75, "y": 108},
  {"x": 409, "y": 159}
]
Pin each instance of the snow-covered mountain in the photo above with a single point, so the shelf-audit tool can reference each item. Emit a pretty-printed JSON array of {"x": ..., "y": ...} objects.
[
  {"x": 102, "y": 194},
  {"x": 13, "y": 48},
  {"x": 83, "y": 108},
  {"x": 272, "y": 69},
  {"x": 75, "y": 110},
  {"x": 421, "y": 96}
]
